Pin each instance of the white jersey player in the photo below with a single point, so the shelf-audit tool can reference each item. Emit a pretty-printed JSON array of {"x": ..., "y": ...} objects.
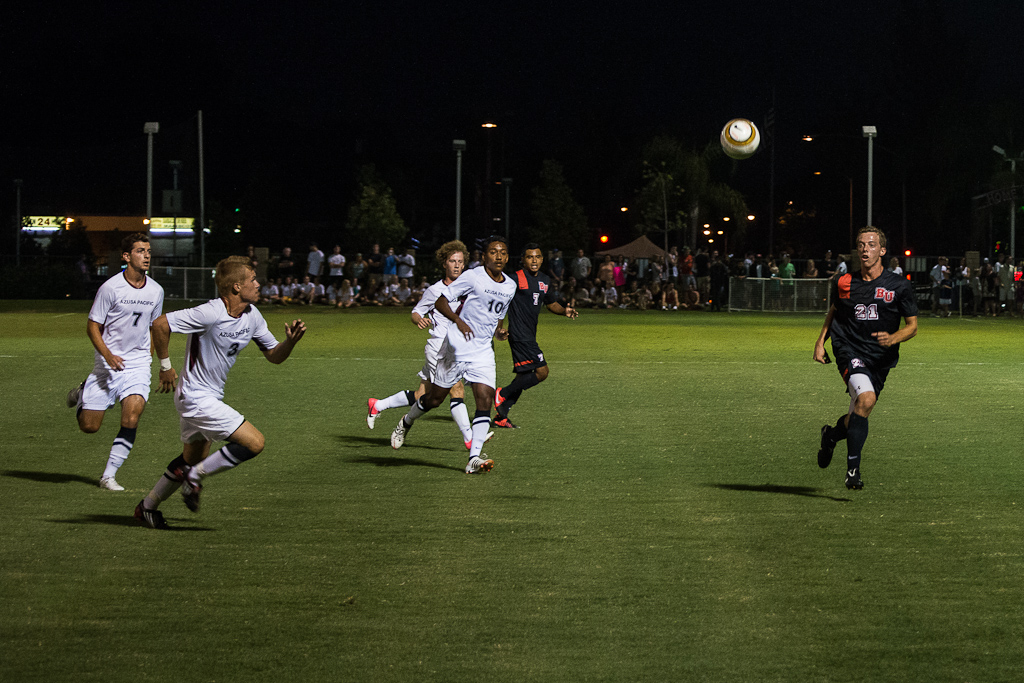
[
  {"x": 119, "y": 328},
  {"x": 452, "y": 258},
  {"x": 466, "y": 352},
  {"x": 217, "y": 332}
]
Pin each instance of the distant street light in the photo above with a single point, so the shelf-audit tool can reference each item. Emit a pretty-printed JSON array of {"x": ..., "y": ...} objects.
[
  {"x": 1013, "y": 203},
  {"x": 459, "y": 146},
  {"x": 150, "y": 128}
]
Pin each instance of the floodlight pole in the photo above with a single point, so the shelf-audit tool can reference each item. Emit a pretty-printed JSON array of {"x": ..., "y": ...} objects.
[
  {"x": 1013, "y": 197},
  {"x": 149, "y": 129},
  {"x": 17, "y": 221},
  {"x": 870, "y": 132},
  {"x": 459, "y": 146},
  {"x": 507, "y": 182}
]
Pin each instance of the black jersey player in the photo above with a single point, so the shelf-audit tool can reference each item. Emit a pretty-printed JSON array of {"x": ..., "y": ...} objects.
[
  {"x": 864, "y": 323},
  {"x": 533, "y": 290}
]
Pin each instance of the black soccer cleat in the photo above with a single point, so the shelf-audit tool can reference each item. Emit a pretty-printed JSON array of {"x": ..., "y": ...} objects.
[
  {"x": 505, "y": 423},
  {"x": 190, "y": 494},
  {"x": 826, "y": 448},
  {"x": 853, "y": 480},
  {"x": 154, "y": 519}
]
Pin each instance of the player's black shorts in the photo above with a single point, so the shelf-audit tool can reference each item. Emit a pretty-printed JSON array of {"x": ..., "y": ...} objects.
[
  {"x": 853, "y": 366},
  {"x": 526, "y": 356}
]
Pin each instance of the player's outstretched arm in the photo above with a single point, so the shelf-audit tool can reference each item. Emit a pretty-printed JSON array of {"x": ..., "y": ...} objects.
[
  {"x": 161, "y": 336},
  {"x": 292, "y": 334},
  {"x": 560, "y": 309},
  {"x": 820, "y": 356},
  {"x": 95, "y": 333}
]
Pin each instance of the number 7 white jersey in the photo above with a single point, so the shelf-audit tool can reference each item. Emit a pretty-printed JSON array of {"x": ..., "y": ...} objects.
[
  {"x": 485, "y": 306},
  {"x": 214, "y": 341},
  {"x": 126, "y": 313}
]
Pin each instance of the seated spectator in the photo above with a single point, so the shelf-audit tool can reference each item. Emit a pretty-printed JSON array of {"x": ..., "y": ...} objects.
[
  {"x": 320, "y": 294},
  {"x": 669, "y": 297},
  {"x": 418, "y": 290},
  {"x": 288, "y": 290},
  {"x": 332, "y": 295},
  {"x": 609, "y": 297},
  {"x": 403, "y": 294},
  {"x": 644, "y": 299},
  {"x": 270, "y": 294},
  {"x": 305, "y": 292},
  {"x": 380, "y": 296},
  {"x": 347, "y": 297},
  {"x": 581, "y": 296},
  {"x": 690, "y": 297}
]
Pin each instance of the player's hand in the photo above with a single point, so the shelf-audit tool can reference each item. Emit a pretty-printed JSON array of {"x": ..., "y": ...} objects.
[
  {"x": 116, "y": 363},
  {"x": 465, "y": 329},
  {"x": 168, "y": 380},
  {"x": 884, "y": 339},
  {"x": 821, "y": 355},
  {"x": 422, "y": 322},
  {"x": 501, "y": 334},
  {"x": 571, "y": 312},
  {"x": 295, "y": 331}
]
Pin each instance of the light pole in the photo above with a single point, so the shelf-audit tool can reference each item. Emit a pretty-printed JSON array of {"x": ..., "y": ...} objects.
[
  {"x": 488, "y": 188},
  {"x": 150, "y": 128},
  {"x": 1013, "y": 197},
  {"x": 870, "y": 132},
  {"x": 17, "y": 221},
  {"x": 507, "y": 182},
  {"x": 459, "y": 146}
]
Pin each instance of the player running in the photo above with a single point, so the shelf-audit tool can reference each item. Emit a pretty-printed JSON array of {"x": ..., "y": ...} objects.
[
  {"x": 119, "y": 328},
  {"x": 533, "y": 289},
  {"x": 466, "y": 352},
  {"x": 864, "y": 323},
  {"x": 452, "y": 256},
  {"x": 217, "y": 332}
]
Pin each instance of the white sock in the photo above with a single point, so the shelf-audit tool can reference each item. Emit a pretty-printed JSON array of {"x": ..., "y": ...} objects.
[
  {"x": 214, "y": 463},
  {"x": 461, "y": 416},
  {"x": 481, "y": 425},
  {"x": 119, "y": 451},
  {"x": 399, "y": 400}
]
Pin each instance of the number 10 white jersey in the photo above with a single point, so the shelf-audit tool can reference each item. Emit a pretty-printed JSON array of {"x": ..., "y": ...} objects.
[
  {"x": 214, "y": 341},
  {"x": 485, "y": 306}
]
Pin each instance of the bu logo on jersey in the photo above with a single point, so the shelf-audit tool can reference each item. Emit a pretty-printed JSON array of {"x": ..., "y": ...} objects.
[{"x": 884, "y": 294}]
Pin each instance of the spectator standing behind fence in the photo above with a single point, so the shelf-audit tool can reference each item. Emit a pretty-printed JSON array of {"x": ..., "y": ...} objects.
[
  {"x": 829, "y": 264},
  {"x": 702, "y": 269},
  {"x": 356, "y": 270},
  {"x": 894, "y": 267},
  {"x": 719, "y": 282},
  {"x": 606, "y": 272},
  {"x": 581, "y": 267},
  {"x": 285, "y": 264},
  {"x": 374, "y": 270},
  {"x": 314, "y": 263},
  {"x": 936, "y": 279},
  {"x": 814, "y": 295},
  {"x": 336, "y": 262},
  {"x": 556, "y": 268},
  {"x": 406, "y": 264}
]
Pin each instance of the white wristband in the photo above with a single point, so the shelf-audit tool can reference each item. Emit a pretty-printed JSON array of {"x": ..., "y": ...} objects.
[{"x": 165, "y": 364}]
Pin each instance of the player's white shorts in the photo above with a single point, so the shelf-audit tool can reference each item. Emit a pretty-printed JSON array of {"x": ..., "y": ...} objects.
[
  {"x": 431, "y": 352},
  {"x": 103, "y": 387},
  {"x": 206, "y": 419},
  {"x": 449, "y": 371}
]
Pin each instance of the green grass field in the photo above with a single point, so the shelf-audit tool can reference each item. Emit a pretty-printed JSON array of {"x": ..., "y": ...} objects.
[{"x": 659, "y": 517}]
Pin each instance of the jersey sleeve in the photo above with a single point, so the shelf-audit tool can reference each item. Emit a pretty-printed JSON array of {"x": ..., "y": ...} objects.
[
  {"x": 907, "y": 300},
  {"x": 189, "y": 320},
  {"x": 426, "y": 302},
  {"x": 158, "y": 307},
  {"x": 101, "y": 305},
  {"x": 262, "y": 335},
  {"x": 455, "y": 290}
]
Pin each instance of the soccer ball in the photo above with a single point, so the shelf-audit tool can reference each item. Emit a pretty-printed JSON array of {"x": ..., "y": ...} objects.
[{"x": 740, "y": 139}]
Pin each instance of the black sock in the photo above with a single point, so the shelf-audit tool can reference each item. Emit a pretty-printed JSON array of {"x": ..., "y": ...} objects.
[
  {"x": 175, "y": 465},
  {"x": 521, "y": 383},
  {"x": 857, "y": 435},
  {"x": 840, "y": 430}
]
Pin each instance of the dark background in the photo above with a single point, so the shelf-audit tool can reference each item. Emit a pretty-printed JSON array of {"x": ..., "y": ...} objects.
[{"x": 296, "y": 98}]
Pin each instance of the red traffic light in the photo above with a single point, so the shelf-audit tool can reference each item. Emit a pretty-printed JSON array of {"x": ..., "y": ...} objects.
[
  {"x": 906, "y": 253},
  {"x": 604, "y": 239}
]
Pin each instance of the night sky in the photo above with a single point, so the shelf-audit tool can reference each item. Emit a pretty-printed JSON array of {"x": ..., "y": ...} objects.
[{"x": 295, "y": 99}]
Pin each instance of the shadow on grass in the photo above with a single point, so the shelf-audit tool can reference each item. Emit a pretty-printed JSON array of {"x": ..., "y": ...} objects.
[
  {"x": 383, "y": 461},
  {"x": 384, "y": 440},
  {"x": 51, "y": 477},
  {"x": 775, "y": 488},
  {"x": 122, "y": 520}
]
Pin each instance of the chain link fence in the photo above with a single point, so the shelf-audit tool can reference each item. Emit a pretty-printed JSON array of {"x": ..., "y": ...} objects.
[{"x": 779, "y": 295}]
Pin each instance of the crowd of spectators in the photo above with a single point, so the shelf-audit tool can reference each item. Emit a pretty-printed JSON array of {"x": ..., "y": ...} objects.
[{"x": 680, "y": 280}]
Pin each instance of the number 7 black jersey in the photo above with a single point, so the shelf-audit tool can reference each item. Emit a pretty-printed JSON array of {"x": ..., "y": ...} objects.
[
  {"x": 864, "y": 307},
  {"x": 532, "y": 292}
]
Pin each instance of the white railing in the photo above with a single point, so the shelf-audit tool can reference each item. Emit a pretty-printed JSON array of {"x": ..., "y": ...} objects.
[{"x": 779, "y": 295}]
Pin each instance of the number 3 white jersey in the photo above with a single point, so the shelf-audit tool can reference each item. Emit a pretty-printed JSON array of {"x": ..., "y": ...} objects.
[
  {"x": 214, "y": 341},
  {"x": 485, "y": 306},
  {"x": 126, "y": 313},
  {"x": 425, "y": 308}
]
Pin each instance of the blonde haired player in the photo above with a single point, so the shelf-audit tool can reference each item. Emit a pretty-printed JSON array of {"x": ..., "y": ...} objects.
[
  {"x": 452, "y": 257},
  {"x": 119, "y": 328},
  {"x": 217, "y": 332}
]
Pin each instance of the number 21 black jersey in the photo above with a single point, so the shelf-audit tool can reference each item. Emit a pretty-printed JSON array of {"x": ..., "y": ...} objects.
[{"x": 865, "y": 307}]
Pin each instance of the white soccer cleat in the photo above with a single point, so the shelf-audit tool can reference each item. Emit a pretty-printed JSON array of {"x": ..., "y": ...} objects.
[
  {"x": 371, "y": 412},
  {"x": 398, "y": 436},
  {"x": 479, "y": 464},
  {"x": 469, "y": 444},
  {"x": 110, "y": 484},
  {"x": 75, "y": 395}
]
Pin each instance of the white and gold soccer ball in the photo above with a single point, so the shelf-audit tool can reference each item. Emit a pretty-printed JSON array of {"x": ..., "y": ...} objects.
[{"x": 740, "y": 138}]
